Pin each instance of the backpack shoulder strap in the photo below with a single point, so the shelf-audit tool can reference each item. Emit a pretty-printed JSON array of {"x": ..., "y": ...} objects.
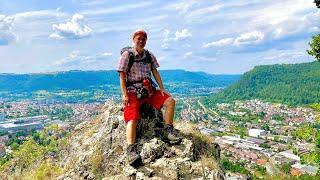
[
  {"x": 131, "y": 61},
  {"x": 148, "y": 58}
]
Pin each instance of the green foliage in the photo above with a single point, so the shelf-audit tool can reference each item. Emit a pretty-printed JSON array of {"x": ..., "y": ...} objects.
[
  {"x": 318, "y": 118},
  {"x": 34, "y": 148},
  {"x": 260, "y": 169},
  {"x": 315, "y": 47},
  {"x": 262, "y": 114},
  {"x": 317, "y": 140},
  {"x": 309, "y": 177},
  {"x": 285, "y": 168},
  {"x": 315, "y": 106},
  {"x": 46, "y": 170},
  {"x": 305, "y": 132},
  {"x": 14, "y": 146},
  {"x": 277, "y": 117},
  {"x": 293, "y": 84},
  {"x": 311, "y": 158},
  {"x": 28, "y": 153},
  {"x": 5, "y": 159},
  {"x": 20, "y": 133},
  {"x": 63, "y": 113},
  {"x": 237, "y": 167},
  {"x": 33, "y": 112},
  {"x": 264, "y": 145},
  {"x": 266, "y": 127},
  {"x": 241, "y": 130},
  {"x": 13, "y": 140}
]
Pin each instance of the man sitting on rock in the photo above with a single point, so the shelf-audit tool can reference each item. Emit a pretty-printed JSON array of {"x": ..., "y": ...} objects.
[{"x": 135, "y": 67}]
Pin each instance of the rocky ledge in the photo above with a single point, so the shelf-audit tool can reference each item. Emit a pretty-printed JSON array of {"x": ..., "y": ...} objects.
[{"x": 96, "y": 150}]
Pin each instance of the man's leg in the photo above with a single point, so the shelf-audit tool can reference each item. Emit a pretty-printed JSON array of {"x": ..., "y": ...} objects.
[
  {"x": 157, "y": 100},
  {"x": 131, "y": 114},
  {"x": 131, "y": 131},
  {"x": 170, "y": 132},
  {"x": 169, "y": 104}
]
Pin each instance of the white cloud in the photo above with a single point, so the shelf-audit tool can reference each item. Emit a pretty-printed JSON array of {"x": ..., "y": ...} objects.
[
  {"x": 77, "y": 59},
  {"x": 6, "y": 34},
  {"x": 179, "y": 35},
  {"x": 249, "y": 38},
  {"x": 107, "y": 54},
  {"x": 89, "y": 2},
  {"x": 183, "y": 34},
  {"x": 39, "y": 14},
  {"x": 182, "y": 7},
  {"x": 219, "y": 43},
  {"x": 166, "y": 39},
  {"x": 187, "y": 54},
  {"x": 278, "y": 11},
  {"x": 309, "y": 22},
  {"x": 75, "y": 29},
  {"x": 202, "y": 12},
  {"x": 118, "y": 9},
  {"x": 283, "y": 56},
  {"x": 289, "y": 55}
]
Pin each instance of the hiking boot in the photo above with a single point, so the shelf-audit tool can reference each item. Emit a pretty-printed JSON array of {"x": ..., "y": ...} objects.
[
  {"x": 170, "y": 134},
  {"x": 132, "y": 155}
]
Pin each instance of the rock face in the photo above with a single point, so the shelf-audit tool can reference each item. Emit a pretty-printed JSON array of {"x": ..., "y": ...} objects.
[{"x": 96, "y": 150}]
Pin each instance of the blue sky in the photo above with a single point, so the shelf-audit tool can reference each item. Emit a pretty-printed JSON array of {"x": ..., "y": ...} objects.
[{"x": 214, "y": 36}]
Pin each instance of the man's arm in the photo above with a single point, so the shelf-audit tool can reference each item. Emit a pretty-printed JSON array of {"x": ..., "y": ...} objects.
[
  {"x": 123, "y": 83},
  {"x": 157, "y": 77}
]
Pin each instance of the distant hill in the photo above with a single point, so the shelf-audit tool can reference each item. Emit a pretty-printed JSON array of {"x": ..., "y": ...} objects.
[
  {"x": 176, "y": 81},
  {"x": 293, "y": 84}
]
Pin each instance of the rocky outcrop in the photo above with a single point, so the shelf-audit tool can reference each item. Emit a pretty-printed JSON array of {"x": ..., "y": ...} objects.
[{"x": 96, "y": 150}]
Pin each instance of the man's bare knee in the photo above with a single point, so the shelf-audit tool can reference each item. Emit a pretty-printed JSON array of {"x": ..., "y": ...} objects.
[
  {"x": 170, "y": 102},
  {"x": 132, "y": 123}
]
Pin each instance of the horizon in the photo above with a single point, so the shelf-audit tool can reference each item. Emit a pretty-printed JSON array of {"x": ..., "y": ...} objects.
[
  {"x": 75, "y": 70},
  {"x": 214, "y": 37}
]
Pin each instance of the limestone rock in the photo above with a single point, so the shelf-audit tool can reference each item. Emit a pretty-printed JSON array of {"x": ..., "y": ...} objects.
[{"x": 96, "y": 150}]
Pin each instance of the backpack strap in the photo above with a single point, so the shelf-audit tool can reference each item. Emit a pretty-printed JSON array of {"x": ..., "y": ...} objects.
[
  {"x": 131, "y": 61},
  {"x": 148, "y": 58}
]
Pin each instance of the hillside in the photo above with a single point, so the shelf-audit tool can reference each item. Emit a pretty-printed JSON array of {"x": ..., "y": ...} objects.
[
  {"x": 83, "y": 80},
  {"x": 293, "y": 84},
  {"x": 97, "y": 86}
]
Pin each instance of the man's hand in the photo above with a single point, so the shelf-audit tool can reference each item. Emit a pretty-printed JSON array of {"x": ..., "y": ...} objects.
[
  {"x": 125, "y": 100},
  {"x": 163, "y": 91}
]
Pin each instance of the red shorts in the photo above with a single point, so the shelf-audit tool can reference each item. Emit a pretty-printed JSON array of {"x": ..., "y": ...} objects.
[{"x": 132, "y": 110}]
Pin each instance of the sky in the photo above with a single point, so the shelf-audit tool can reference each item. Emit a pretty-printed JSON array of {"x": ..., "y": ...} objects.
[{"x": 213, "y": 36}]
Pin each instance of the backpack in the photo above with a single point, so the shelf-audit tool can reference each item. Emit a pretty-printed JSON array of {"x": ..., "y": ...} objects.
[{"x": 147, "y": 59}]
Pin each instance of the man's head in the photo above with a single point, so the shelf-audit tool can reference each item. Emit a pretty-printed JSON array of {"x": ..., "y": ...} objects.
[{"x": 139, "y": 38}]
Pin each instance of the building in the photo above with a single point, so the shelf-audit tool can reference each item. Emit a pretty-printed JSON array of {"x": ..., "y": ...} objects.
[
  {"x": 2, "y": 117},
  {"x": 256, "y": 132},
  {"x": 207, "y": 131},
  {"x": 4, "y": 139},
  {"x": 12, "y": 127},
  {"x": 255, "y": 140},
  {"x": 290, "y": 155},
  {"x": 2, "y": 149},
  {"x": 303, "y": 168}
]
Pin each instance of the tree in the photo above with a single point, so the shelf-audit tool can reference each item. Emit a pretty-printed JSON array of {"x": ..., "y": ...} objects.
[
  {"x": 285, "y": 168},
  {"x": 317, "y": 140},
  {"x": 315, "y": 47},
  {"x": 317, "y": 3},
  {"x": 266, "y": 127}
]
